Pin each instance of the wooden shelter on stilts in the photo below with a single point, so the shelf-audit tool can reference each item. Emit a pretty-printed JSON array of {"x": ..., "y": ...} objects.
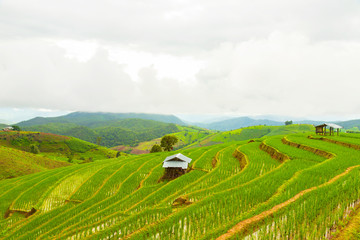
[{"x": 321, "y": 129}]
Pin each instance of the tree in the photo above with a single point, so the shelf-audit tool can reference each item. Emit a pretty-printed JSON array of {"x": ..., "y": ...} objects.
[
  {"x": 16, "y": 128},
  {"x": 168, "y": 141},
  {"x": 34, "y": 149},
  {"x": 156, "y": 148},
  {"x": 70, "y": 157},
  {"x": 288, "y": 122}
]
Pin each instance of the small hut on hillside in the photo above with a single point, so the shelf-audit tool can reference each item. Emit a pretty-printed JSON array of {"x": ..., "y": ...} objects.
[
  {"x": 6, "y": 129},
  {"x": 321, "y": 129},
  {"x": 175, "y": 165}
]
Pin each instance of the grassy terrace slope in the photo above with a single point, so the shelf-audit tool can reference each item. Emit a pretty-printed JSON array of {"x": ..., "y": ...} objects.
[
  {"x": 14, "y": 163},
  {"x": 285, "y": 185},
  {"x": 251, "y": 133},
  {"x": 54, "y": 146}
]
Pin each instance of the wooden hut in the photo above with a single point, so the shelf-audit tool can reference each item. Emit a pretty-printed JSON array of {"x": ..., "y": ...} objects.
[
  {"x": 7, "y": 129},
  {"x": 322, "y": 129},
  {"x": 175, "y": 165}
]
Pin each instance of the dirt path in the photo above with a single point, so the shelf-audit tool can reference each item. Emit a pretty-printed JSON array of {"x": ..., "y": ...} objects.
[{"x": 247, "y": 222}]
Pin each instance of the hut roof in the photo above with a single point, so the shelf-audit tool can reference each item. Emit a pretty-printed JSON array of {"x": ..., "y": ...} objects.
[
  {"x": 7, "y": 128},
  {"x": 333, "y": 125},
  {"x": 178, "y": 157},
  {"x": 176, "y": 161}
]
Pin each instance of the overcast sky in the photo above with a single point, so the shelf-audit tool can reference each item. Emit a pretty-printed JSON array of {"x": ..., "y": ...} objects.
[{"x": 296, "y": 58}]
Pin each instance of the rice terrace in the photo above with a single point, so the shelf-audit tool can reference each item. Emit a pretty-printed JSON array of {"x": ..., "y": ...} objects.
[
  {"x": 180, "y": 120},
  {"x": 292, "y": 185}
]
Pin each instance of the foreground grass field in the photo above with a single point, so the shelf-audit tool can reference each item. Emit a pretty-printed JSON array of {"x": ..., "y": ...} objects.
[{"x": 277, "y": 187}]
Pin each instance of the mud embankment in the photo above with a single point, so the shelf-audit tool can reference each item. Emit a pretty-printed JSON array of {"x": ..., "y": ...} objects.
[
  {"x": 10, "y": 212},
  {"x": 274, "y": 153},
  {"x": 241, "y": 157},
  {"x": 215, "y": 160},
  {"x": 308, "y": 148},
  {"x": 344, "y": 144}
]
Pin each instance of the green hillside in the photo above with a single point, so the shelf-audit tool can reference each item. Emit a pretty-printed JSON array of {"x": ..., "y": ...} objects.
[
  {"x": 55, "y": 146},
  {"x": 110, "y": 133},
  {"x": 284, "y": 185},
  {"x": 14, "y": 163},
  {"x": 186, "y": 136}
]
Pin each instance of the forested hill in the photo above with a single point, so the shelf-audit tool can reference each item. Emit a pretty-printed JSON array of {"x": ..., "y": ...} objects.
[
  {"x": 89, "y": 119},
  {"x": 108, "y": 133},
  {"x": 350, "y": 124}
]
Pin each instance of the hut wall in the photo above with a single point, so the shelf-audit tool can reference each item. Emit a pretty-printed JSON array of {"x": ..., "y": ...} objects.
[{"x": 172, "y": 173}]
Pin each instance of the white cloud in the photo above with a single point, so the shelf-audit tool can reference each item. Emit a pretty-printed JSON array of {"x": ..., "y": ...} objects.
[{"x": 237, "y": 57}]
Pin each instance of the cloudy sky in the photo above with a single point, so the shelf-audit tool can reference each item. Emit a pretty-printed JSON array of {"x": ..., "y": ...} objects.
[{"x": 296, "y": 58}]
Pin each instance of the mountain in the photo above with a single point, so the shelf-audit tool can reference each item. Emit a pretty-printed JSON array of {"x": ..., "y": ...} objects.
[
  {"x": 239, "y": 122},
  {"x": 3, "y": 125},
  {"x": 88, "y": 119},
  {"x": 350, "y": 124},
  {"x": 355, "y": 123},
  {"x": 107, "y": 129},
  {"x": 107, "y": 133},
  {"x": 312, "y": 122}
]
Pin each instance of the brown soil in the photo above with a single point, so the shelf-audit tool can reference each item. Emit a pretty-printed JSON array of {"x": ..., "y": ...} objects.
[
  {"x": 241, "y": 157},
  {"x": 120, "y": 148},
  {"x": 243, "y": 225},
  {"x": 9, "y": 212},
  {"x": 274, "y": 153},
  {"x": 73, "y": 201},
  {"x": 138, "y": 151},
  {"x": 181, "y": 201}
]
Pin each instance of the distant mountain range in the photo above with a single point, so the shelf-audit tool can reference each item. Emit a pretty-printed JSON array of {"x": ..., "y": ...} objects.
[
  {"x": 88, "y": 119},
  {"x": 241, "y": 122},
  {"x": 113, "y": 129},
  {"x": 107, "y": 129}
]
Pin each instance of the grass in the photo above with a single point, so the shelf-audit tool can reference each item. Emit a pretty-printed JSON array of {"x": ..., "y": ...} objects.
[
  {"x": 15, "y": 163},
  {"x": 229, "y": 184}
]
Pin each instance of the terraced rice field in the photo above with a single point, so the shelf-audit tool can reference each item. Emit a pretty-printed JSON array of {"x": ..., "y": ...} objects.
[{"x": 280, "y": 187}]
